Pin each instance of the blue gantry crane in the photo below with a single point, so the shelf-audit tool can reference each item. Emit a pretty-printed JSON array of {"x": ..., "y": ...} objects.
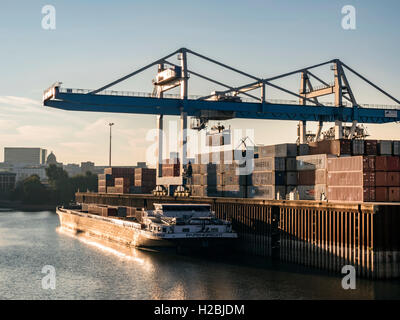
[{"x": 229, "y": 103}]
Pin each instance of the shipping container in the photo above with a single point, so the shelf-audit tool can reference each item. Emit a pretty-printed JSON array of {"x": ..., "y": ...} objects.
[
  {"x": 291, "y": 164},
  {"x": 267, "y": 178},
  {"x": 312, "y": 192},
  {"x": 382, "y": 194},
  {"x": 311, "y": 177},
  {"x": 332, "y": 147},
  {"x": 278, "y": 150},
  {"x": 393, "y": 179},
  {"x": 369, "y": 178},
  {"x": 270, "y": 164},
  {"x": 303, "y": 149},
  {"x": 369, "y": 194},
  {"x": 355, "y": 163},
  {"x": 123, "y": 182},
  {"x": 381, "y": 179},
  {"x": 118, "y": 172},
  {"x": 394, "y": 194},
  {"x": 234, "y": 191},
  {"x": 370, "y": 147},
  {"x": 291, "y": 178},
  {"x": 396, "y": 148},
  {"x": 234, "y": 179},
  {"x": 311, "y": 162},
  {"x": 350, "y": 178},
  {"x": 346, "y": 193},
  {"x": 266, "y": 192},
  {"x": 102, "y": 189},
  {"x": 204, "y": 191},
  {"x": 357, "y": 147},
  {"x": 387, "y": 163},
  {"x": 385, "y": 147}
]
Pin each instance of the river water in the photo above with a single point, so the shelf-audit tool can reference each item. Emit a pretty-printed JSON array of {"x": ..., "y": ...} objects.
[{"x": 89, "y": 269}]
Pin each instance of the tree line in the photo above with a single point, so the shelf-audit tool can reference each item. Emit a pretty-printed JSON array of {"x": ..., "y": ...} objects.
[{"x": 60, "y": 188}]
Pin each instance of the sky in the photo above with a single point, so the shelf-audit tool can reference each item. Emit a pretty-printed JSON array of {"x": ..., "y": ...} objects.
[{"x": 96, "y": 42}]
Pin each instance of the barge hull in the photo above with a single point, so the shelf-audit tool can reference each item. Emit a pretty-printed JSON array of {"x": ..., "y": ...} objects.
[{"x": 317, "y": 234}]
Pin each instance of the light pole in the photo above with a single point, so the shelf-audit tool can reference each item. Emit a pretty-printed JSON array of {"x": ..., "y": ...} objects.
[{"x": 109, "y": 160}]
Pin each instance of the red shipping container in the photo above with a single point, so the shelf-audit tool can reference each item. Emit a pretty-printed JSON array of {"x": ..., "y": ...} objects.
[
  {"x": 393, "y": 163},
  {"x": 394, "y": 194},
  {"x": 369, "y": 163},
  {"x": 381, "y": 194},
  {"x": 381, "y": 179},
  {"x": 393, "y": 179},
  {"x": 123, "y": 182},
  {"x": 369, "y": 194},
  {"x": 369, "y": 179},
  {"x": 387, "y": 163}
]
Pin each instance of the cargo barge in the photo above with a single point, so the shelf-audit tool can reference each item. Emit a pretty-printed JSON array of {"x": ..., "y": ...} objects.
[
  {"x": 179, "y": 226},
  {"x": 317, "y": 234}
]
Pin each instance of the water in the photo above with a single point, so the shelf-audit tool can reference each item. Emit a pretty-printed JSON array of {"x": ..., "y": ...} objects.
[{"x": 88, "y": 269}]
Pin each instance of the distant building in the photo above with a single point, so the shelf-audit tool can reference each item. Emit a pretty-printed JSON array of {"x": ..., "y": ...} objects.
[
  {"x": 72, "y": 169},
  {"x": 25, "y": 156},
  {"x": 87, "y": 166},
  {"x": 7, "y": 181},
  {"x": 52, "y": 159}
]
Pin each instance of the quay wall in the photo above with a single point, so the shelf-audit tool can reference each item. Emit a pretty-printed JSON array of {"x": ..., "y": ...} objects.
[{"x": 317, "y": 234}]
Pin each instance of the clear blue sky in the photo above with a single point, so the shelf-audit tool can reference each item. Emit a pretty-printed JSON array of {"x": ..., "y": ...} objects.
[{"x": 98, "y": 41}]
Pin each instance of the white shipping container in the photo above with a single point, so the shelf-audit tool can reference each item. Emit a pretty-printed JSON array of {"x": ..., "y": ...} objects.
[{"x": 311, "y": 162}]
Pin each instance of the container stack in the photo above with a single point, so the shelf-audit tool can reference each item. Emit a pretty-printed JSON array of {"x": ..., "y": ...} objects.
[
  {"x": 334, "y": 147},
  {"x": 145, "y": 180},
  {"x": 104, "y": 181},
  {"x": 171, "y": 168},
  {"x": 274, "y": 173},
  {"x": 127, "y": 180},
  {"x": 387, "y": 178},
  {"x": 102, "y": 210},
  {"x": 204, "y": 180},
  {"x": 123, "y": 178},
  {"x": 221, "y": 173},
  {"x": 351, "y": 179},
  {"x": 232, "y": 180},
  {"x": 311, "y": 176}
]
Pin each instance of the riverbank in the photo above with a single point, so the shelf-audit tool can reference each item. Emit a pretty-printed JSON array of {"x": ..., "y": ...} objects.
[{"x": 15, "y": 205}]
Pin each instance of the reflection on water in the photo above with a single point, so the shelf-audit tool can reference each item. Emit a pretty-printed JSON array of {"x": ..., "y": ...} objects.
[{"x": 92, "y": 269}]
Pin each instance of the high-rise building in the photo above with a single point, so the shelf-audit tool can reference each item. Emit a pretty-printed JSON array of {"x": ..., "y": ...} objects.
[{"x": 29, "y": 156}]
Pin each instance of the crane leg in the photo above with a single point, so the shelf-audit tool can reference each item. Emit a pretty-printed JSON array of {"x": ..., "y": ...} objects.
[{"x": 160, "y": 137}]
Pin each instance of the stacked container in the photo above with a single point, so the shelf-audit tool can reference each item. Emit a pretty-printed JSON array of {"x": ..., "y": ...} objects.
[
  {"x": 274, "y": 172},
  {"x": 311, "y": 176},
  {"x": 387, "y": 178},
  {"x": 104, "y": 181},
  {"x": 351, "y": 179},
  {"x": 204, "y": 179},
  {"x": 144, "y": 180}
]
